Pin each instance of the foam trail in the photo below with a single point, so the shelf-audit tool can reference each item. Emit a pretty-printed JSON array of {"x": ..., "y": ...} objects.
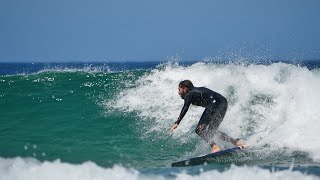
[
  {"x": 281, "y": 100},
  {"x": 19, "y": 168}
]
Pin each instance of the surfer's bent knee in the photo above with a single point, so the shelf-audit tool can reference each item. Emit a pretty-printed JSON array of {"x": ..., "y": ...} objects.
[{"x": 200, "y": 129}]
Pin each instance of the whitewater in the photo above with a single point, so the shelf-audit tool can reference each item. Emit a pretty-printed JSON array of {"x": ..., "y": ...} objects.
[
  {"x": 280, "y": 101},
  {"x": 122, "y": 131}
]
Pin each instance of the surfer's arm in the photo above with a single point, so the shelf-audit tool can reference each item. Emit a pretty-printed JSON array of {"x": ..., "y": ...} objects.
[{"x": 187, "y": 102}]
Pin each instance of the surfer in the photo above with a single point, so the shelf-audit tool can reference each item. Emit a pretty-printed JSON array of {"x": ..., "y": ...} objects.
[{"x": 215, "y": 108}]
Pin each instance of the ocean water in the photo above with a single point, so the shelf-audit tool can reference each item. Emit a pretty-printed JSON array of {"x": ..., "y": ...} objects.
[{"x": 111, "y": 120}]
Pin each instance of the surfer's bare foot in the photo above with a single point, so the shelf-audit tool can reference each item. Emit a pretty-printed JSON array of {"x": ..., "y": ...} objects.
[
  {"x": 240, "y": 143},
  {"x": 215, "y": 148}
]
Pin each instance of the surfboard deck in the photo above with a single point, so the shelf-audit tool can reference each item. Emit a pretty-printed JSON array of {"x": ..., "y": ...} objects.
[{"x": 205, "y": 158}]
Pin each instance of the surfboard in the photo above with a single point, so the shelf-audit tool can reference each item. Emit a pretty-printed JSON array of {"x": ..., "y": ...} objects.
[{"x": 206, "y": 158}]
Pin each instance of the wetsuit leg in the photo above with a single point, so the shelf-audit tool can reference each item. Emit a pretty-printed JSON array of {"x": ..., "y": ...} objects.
[
  {"x": 227, "y": 138},
  {"x": 203, "y": 124},
  {"x": 210, "y": 121},
  {"x": 218, "y": 115}
]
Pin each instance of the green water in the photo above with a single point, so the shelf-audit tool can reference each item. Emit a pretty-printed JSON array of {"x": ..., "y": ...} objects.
[
  {"x": 62, "y": 115},
  {"x": 71, "y": 115}
]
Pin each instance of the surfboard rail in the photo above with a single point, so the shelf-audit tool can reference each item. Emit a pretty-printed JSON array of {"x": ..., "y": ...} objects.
[{"x": 204, "y": 158}]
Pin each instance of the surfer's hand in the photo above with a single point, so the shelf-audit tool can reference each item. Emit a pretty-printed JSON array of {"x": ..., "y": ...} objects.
[{"x": 173, "y": 127}]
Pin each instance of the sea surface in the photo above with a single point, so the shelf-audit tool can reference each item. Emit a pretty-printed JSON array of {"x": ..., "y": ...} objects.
[{"x": 111, "y": 120}]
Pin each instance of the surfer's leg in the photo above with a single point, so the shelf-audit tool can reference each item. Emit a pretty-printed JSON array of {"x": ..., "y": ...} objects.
[
  {"x": 201, "y": 128},
  {"x": 203, "y": 132},
  {"x": 227, "y": 138},
  {"x": 217, "y": 117},
  {"x": 218, "y": 113}
]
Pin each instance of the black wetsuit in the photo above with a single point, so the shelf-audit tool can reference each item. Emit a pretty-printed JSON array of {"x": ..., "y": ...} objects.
[{"x": 215, "y": 108}]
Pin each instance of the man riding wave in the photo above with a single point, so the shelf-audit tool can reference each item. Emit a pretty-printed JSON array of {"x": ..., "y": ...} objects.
[{"x": 215, "y": 109}]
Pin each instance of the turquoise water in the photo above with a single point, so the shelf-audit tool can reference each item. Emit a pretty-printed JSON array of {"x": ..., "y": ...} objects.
[
  {"x": 118, "y": 119},
  {"x": 52, "y": 115}
]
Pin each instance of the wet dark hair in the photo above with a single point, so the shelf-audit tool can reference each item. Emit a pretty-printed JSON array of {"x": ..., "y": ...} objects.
[{"x": 186, "y": 83}]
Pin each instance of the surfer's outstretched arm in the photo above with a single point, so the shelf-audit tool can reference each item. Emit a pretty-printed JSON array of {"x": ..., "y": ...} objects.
[
  {"x": 173, "y": 128},
  {"x": 187, "y": 102},
  {"x": 186, "y": 105}
]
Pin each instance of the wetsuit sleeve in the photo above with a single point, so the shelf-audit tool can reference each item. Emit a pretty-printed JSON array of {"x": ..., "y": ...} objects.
[{"x": 187, "y": 102}]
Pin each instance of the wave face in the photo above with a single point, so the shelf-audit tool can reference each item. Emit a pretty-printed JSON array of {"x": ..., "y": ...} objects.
[{"x": 114, "y": 121}]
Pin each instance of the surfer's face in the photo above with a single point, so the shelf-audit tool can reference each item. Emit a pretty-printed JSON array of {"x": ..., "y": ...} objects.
[{"x": 182, "y": 91}]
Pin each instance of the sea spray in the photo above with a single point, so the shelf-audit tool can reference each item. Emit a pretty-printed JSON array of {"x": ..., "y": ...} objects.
[{"x": 279, "y": 100}]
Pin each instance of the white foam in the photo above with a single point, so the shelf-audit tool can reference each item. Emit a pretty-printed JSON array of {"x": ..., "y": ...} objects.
[
  {"x": 281, "y": 101},
  {"x": 31, "y": 169},
  {"x": 246, "y": 173},
  {"x": 87, "y": 69},
  {"x": 25, "y": 169}
]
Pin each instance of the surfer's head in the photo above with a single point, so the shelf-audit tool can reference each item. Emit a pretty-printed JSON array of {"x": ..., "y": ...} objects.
[{"x": 184, "y": 87}]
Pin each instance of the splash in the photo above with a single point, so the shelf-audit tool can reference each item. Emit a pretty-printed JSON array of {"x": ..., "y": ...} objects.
[{"x": 273, "y": 106}]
